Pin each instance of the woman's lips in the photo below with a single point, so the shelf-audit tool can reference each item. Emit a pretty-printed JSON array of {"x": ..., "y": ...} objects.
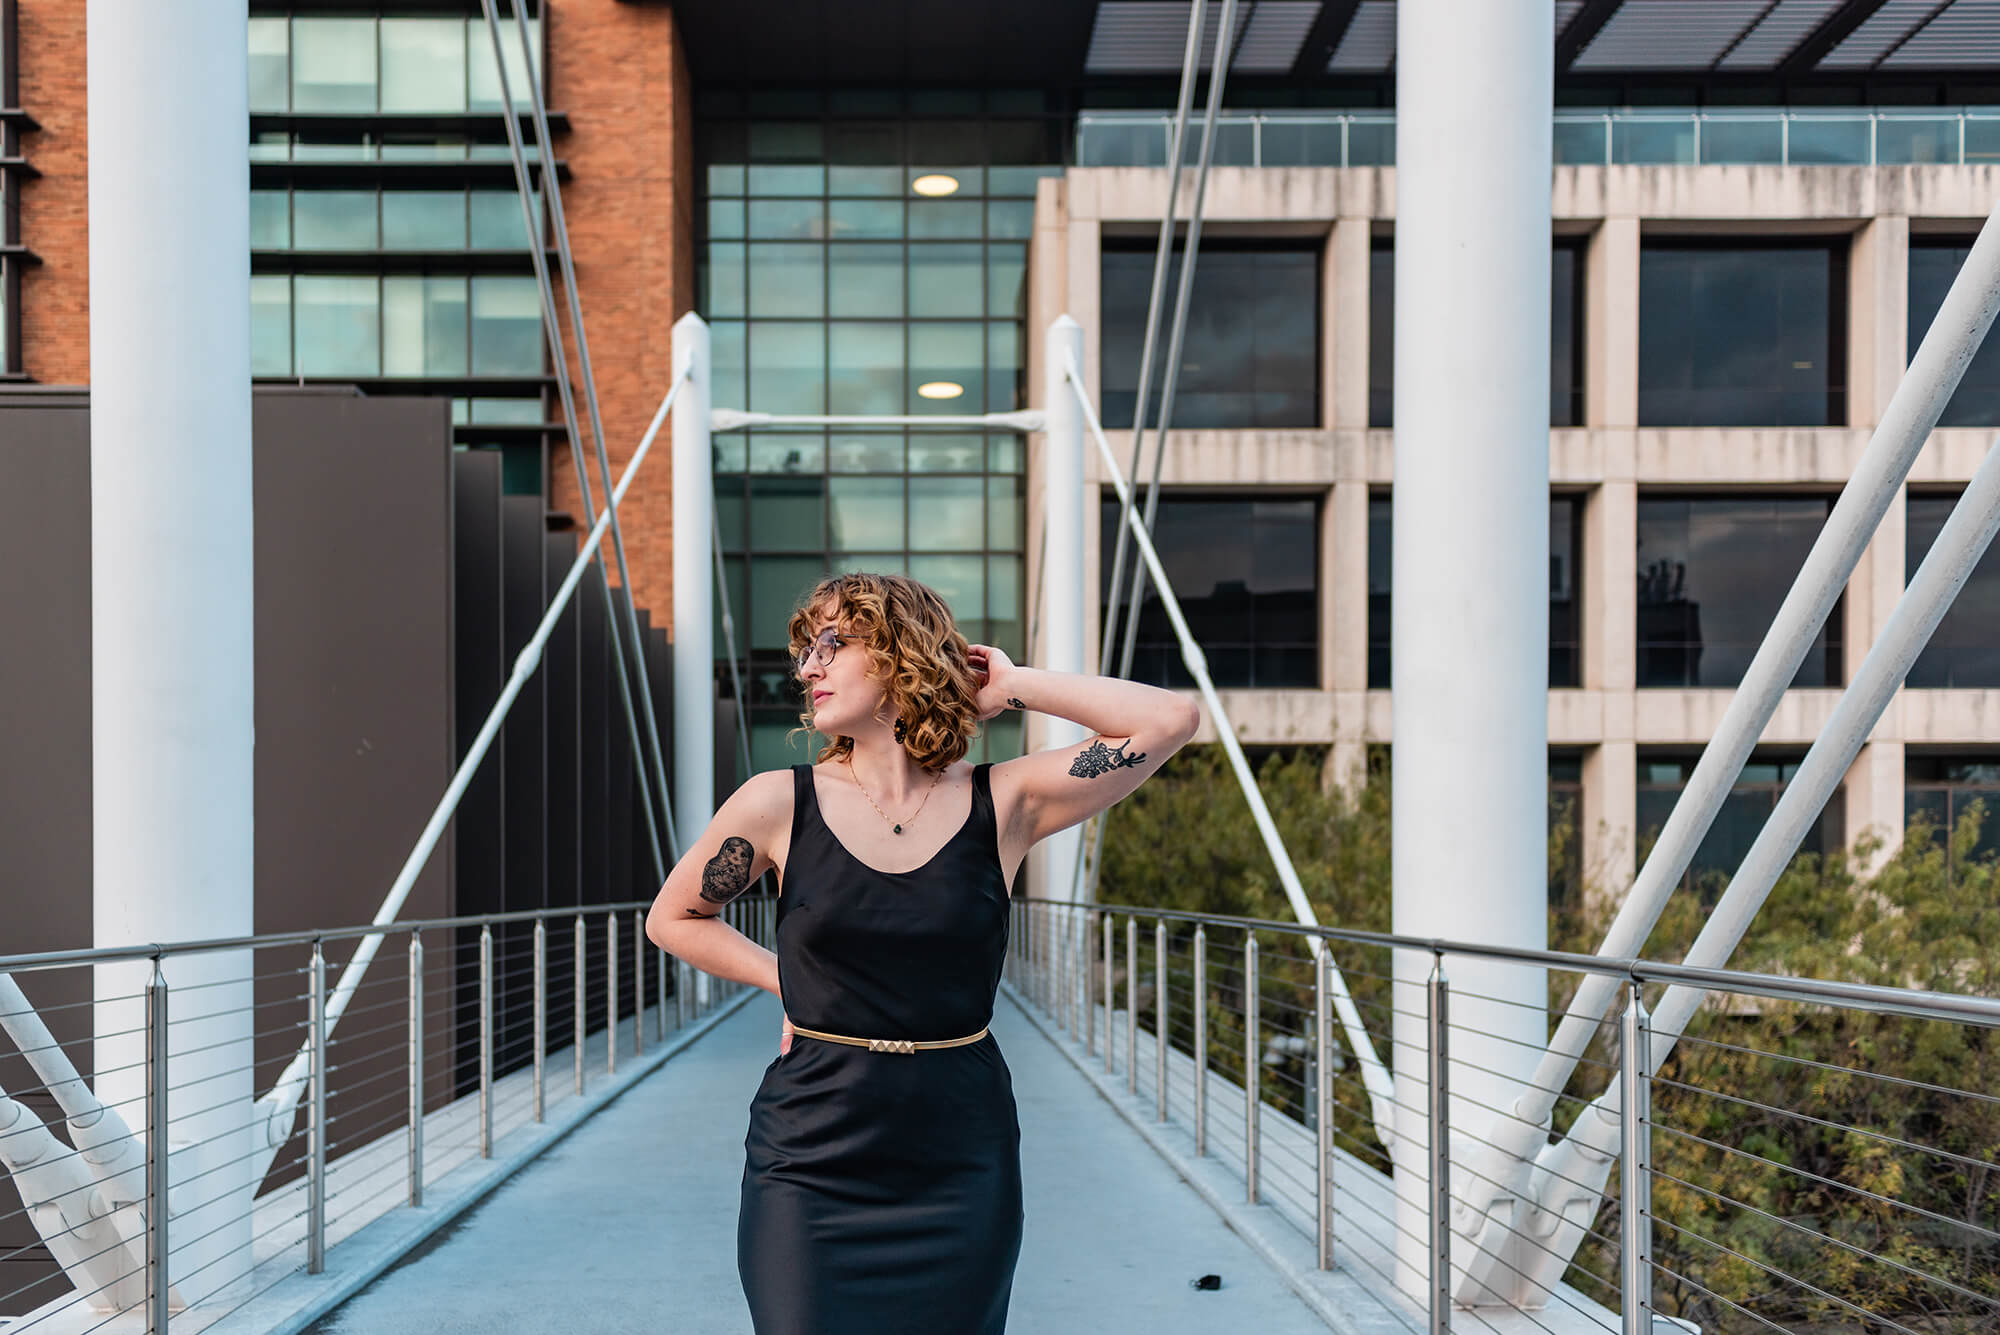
[{"x": 820, "y": 695}]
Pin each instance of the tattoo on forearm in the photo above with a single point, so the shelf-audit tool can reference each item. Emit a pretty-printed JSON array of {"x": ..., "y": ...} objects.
[
  {"x": 727, "y": 874},
  {"x": 1098, "y": 759},
  {"x": 1016, "y": 703}
]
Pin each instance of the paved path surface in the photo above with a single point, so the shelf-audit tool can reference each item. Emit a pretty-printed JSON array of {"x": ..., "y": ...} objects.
[{"x": 630, "y": 1223}]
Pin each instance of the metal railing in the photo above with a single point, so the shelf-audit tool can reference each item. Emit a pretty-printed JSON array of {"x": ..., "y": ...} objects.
[
  {"x": 1743, "y": 1201},
  {"x": 1775, "y": 136},
  {"x": 439, "y": 1064}
]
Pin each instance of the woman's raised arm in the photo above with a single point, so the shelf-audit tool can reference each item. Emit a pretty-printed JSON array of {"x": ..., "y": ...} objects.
[{"x": 1135, "y": 728}]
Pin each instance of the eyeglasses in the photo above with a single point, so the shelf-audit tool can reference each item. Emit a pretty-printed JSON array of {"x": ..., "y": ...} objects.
[{"x": 822, "y": 647}]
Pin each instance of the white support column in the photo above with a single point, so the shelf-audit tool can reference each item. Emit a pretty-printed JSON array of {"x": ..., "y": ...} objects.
[
  {"x": 1470, "y": 618},
  {"x": 1063, "y": 641},
  {"x": 171, "y": 585},
  {"x": 694, "y": 593}
]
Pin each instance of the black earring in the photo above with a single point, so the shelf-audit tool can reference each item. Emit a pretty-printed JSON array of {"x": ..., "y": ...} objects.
[{"x": 902, "y": 730}]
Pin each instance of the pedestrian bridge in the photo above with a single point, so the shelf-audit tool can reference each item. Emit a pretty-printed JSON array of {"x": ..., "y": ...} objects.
[{"x": 537, "y": 1124}]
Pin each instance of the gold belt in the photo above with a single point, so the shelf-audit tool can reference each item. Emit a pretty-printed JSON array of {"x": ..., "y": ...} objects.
[{"x": 890, "y": 1044}]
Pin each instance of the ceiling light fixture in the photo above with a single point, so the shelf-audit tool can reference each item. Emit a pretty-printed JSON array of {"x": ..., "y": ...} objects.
[
  {"x": 935, "y": 185},
  {"x": 940, "y": 389}
]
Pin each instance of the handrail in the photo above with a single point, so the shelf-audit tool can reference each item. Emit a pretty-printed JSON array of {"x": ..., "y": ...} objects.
[
  {"x": 1375, "y": 1075},
  {"x": 1914, "y": 1003}
]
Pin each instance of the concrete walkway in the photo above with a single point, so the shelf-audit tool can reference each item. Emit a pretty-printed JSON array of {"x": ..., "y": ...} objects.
[{"x": 630, "y": 1223}]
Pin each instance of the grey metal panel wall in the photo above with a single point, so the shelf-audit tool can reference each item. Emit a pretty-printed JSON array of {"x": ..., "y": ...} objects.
[
  {"x": 561, "y": 666},
  {"x": 526, "y": 885},
  {"x": 627, "y": 826},
  {"x": 45, "y": 816},
  {"x": 352, "y": 607},
  {"x": 478, "y": 629},
  {"x": 597, "y": 708},
  {"x": 353, "y": 712}
]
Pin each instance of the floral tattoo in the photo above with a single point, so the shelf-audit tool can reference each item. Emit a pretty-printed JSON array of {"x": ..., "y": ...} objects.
[
  {"x": 1097, "y": 759},
  {"x": 1016, "y": 704}
]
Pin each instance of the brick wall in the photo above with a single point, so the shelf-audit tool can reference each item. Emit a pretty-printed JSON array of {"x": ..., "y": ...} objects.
[
  {"x": 620, "y": 72},
  {"x": 55, "y": 210}
]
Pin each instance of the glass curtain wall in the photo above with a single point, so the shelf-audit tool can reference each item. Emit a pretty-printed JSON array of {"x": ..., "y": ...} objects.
[
  {"x": 360, "y": 269},
  {"x": 1566, "y": 338},
  {"x": 1250, "y": 348},
  {"x": 1934, "y": 263},
  {"x": 1246, "y": 571},
  {"x": 1565, "y": 588},
  {"x": 1713, "y": 572},
  {"x": 1943, "y": 788},
  {"x": 865, "y": 252},
  {"x": 1964, "y": 650},
  {"x": 1749, "y": 805},
  {"x": 1735, "y": 334}
]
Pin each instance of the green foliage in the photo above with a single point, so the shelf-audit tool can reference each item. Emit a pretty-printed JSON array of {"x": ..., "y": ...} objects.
[{"x": 1884, "y": 1196}]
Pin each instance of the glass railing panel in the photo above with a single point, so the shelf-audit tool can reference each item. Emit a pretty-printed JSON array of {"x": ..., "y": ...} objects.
[
  {"x": 1913, "y": 139},
  {"x": 1235, "y": 143},
  {"x": 1582, "y": 141},
  {"x": 1371, "y": 142},
  {"x": 1121, "y": 142},
  {"x": 1982, "y": 139},
  {"x": 1830, "y": 141},
  {"x": 1653, "y": 141},
  {"x": 1743, "y": 140},
  {"x": 1302, "y": 141}
]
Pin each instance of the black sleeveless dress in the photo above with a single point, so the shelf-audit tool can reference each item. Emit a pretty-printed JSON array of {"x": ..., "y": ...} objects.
[{"x": 882, "y": 1191}]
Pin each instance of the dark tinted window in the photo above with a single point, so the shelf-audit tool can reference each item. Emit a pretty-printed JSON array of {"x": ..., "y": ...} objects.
[
  {"x": 1565, "y": 333},
  {"x": 1246, "y": 572},
  {"x": 1933, "y": 264},
  {"x": 1749, "y": 805},
  {"x": 1742, "y": 335},
  {"x": 1964, "y": 651},
  {"x": 1565, "y": 589},
  {"x": 1249, "y": 353},
  {"x": 1712, "y": 574},
  {"x": 1944, "y": 787}
]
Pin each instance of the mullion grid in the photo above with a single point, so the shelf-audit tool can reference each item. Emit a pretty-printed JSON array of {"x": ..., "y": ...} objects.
[
  {"x": 530, "y": 9},
  {"x": 912, "y": 328}
]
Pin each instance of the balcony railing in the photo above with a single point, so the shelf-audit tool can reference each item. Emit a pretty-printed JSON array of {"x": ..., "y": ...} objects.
[{"x": 1770, "y": 136}]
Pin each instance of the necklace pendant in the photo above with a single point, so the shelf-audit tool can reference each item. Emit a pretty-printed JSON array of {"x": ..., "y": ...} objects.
[{"x": 899, "y": 829}]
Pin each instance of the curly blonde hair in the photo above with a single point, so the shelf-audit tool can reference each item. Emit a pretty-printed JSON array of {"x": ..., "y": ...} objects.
[{"x": 914, "y": 648}]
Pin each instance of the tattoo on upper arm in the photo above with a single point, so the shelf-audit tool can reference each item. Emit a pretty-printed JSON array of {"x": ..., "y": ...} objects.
[
  {"x": 1098, "y": 759},
  {"x": 727, "y": 874},
  {"x": 1017, "y": 704}
]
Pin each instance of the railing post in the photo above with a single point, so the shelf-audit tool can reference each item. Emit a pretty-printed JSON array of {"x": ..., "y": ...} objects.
[
  {"x": 1132, "y": 1004},
  {"x": 316, "y": 1117},
  {"x": 541, "y": 1016},
  {"x": 1635, "y": 1165},
  {"x": 1439, "y": 1022},
  {"x": 1323, "y": 1046},
  {"x": 486, "y": 1041},
  {"x": 638, "y": 982},
  {"x": 416, "y": 1046},
  {"x": 660, "y": 998},
  {"x": 1110, "y": 993},
  {"x": 610, "y": 993},
  {"x": 1072, "y": 976},
  {"x": 1160, "y": 1016},
  {"x": 1253, "y": 1068},
  {"x": 157, "y": 1283},
  {"x": 579, "y": 1000},
  {"x": 1084, "y": 1000},
  {"x": 1200, "y": 1040}
]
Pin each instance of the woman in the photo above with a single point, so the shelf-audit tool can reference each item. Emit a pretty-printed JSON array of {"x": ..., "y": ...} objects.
[{"x": 882, "y": 1181}]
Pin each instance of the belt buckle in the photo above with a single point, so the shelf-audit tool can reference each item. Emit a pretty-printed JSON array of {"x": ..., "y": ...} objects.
[{"x": 901, "y": 1045}]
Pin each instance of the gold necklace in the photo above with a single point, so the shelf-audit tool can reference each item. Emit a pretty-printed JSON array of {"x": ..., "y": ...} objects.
[{"x": 894, "y": 826}]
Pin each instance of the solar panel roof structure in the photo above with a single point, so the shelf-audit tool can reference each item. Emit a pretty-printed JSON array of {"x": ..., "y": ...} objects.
[{"x": 1076, "y": 42}]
